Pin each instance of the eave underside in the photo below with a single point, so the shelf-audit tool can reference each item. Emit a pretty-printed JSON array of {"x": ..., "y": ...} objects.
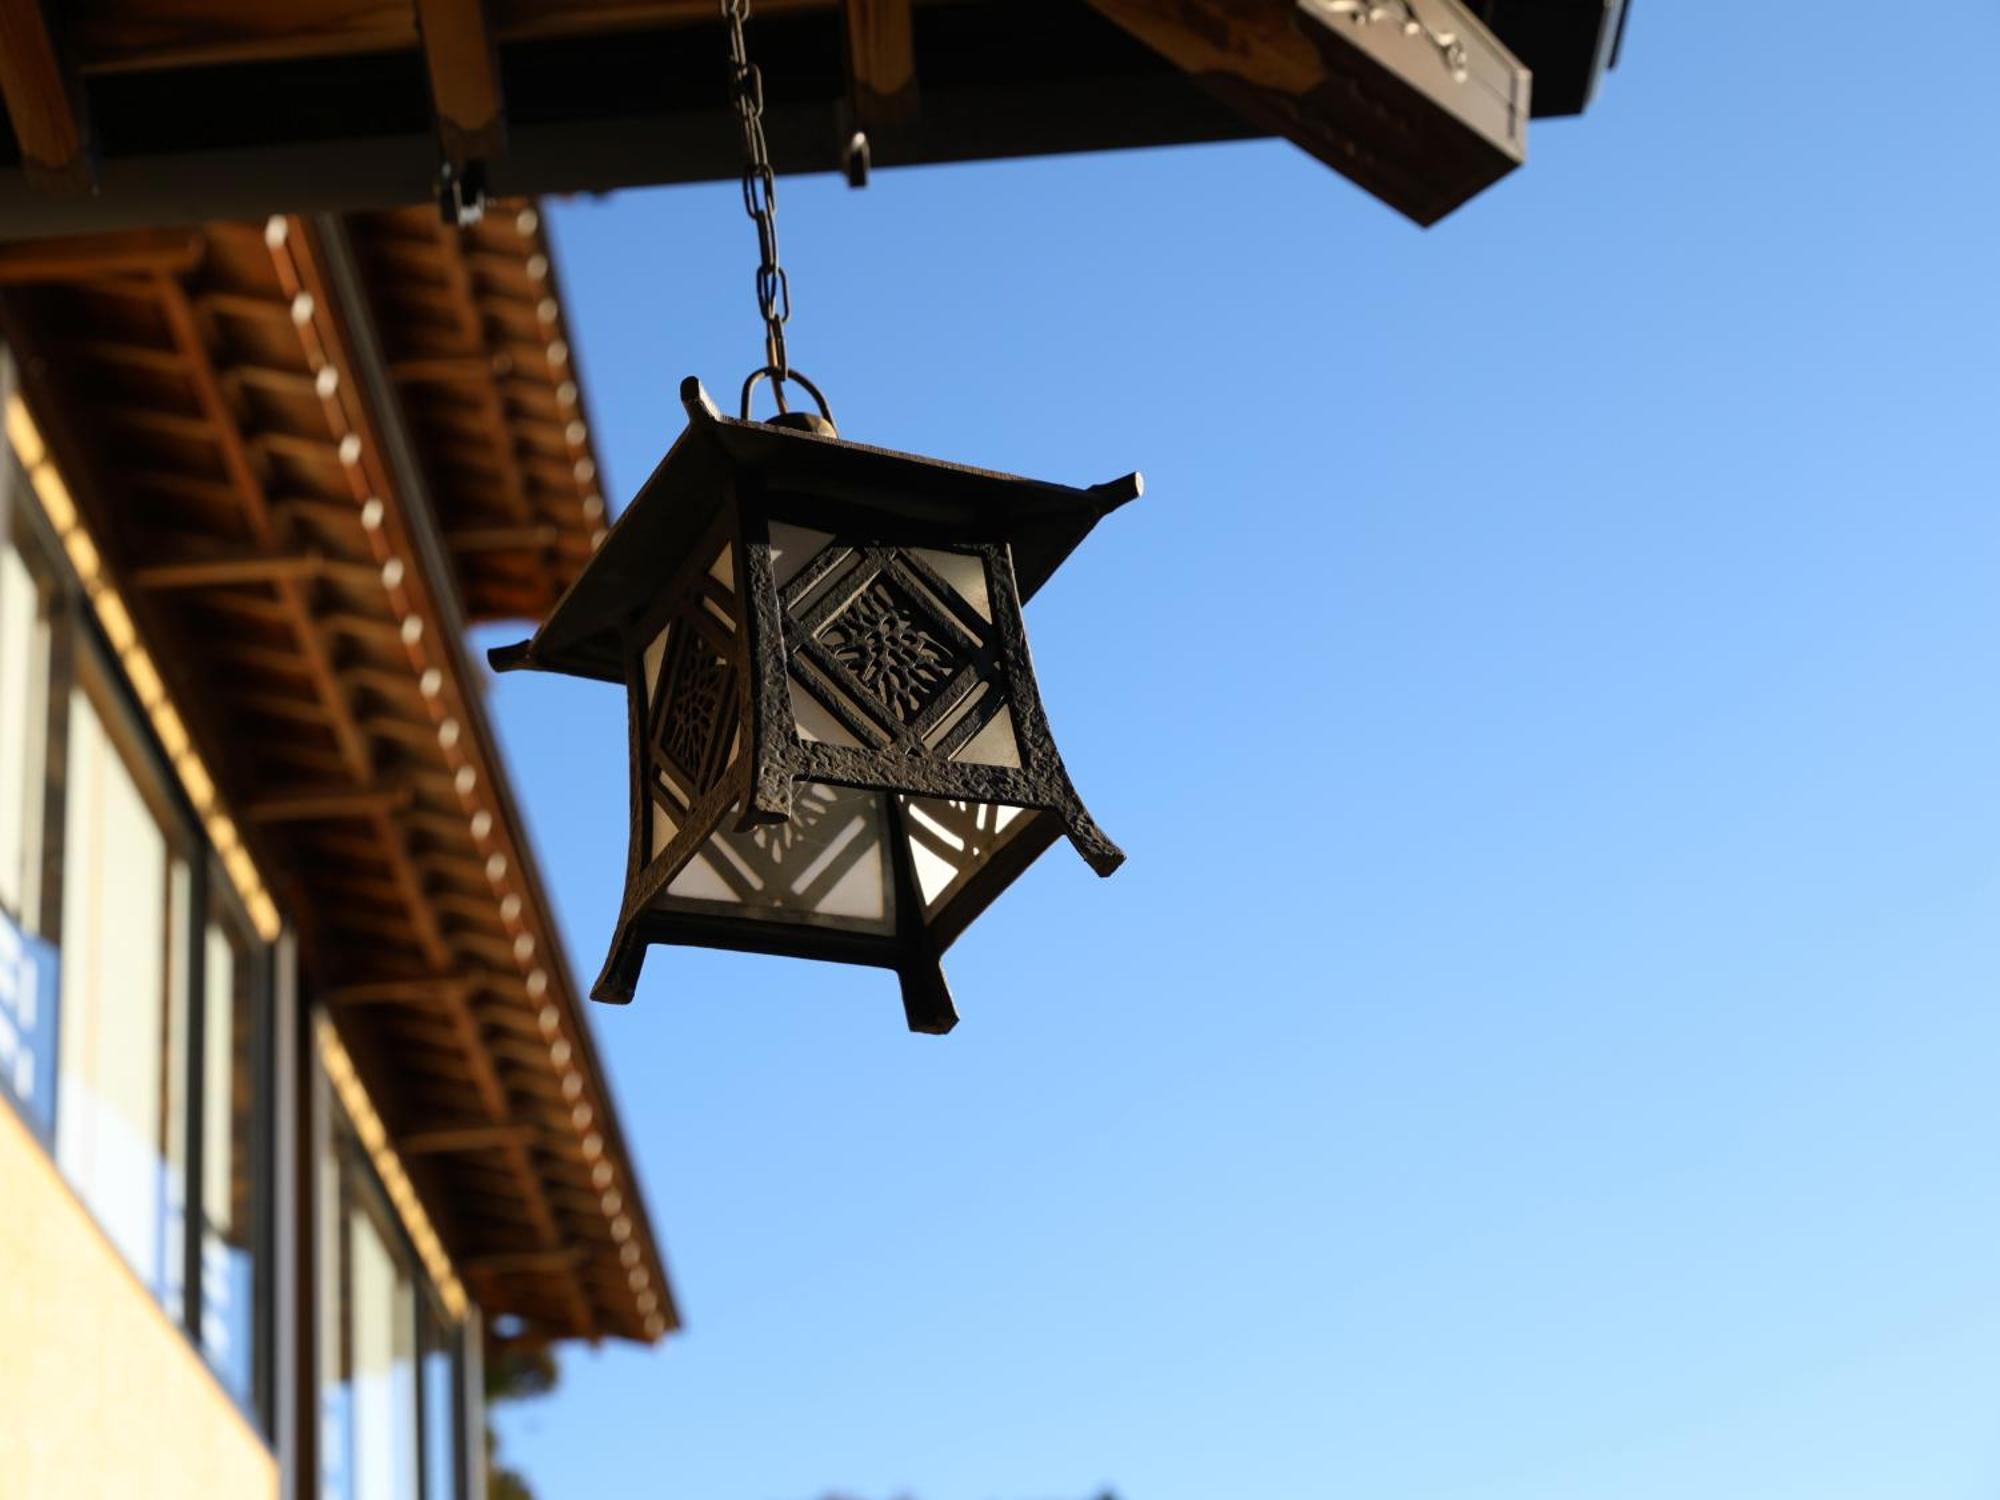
[{"x": 199, "y": 393}]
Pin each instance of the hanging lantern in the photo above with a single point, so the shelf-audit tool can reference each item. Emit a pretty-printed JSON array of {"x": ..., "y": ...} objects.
[{"x": 838, "y": 749}]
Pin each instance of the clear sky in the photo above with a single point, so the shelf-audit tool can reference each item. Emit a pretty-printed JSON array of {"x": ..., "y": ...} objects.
[{"x": 1543, "y": 1043}]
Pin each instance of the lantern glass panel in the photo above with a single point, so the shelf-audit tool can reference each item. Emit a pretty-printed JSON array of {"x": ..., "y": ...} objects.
[
  {"x": 792, "y": 547},
  {"x": 965, "y": 573},
  {"x": 828, "y": 866},
  {"x": 950, "y": 842}
]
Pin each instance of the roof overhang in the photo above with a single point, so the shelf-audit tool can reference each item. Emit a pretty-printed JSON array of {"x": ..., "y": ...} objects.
[
  {"x": 321, "y": 107},
  {"x": 216, "y": 402}
]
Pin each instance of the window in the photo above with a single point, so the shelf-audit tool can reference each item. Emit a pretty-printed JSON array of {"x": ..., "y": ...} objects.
[
  {"x": 27, "y": 963},
  {"x": 390, "y": 1382},
  {"x": 121, "y": 1088},
  {"x": 134, "y": 994}
]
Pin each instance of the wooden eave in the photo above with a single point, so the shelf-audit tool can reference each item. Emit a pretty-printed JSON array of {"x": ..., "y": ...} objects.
[
  {"x": 322, "y": 105},
  {"x": 203, "y": 395},
  {"x": 478, "y": 349}
]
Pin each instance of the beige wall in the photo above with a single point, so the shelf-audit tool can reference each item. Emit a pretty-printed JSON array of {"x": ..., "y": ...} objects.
[{"x": 100, "y": 1395}]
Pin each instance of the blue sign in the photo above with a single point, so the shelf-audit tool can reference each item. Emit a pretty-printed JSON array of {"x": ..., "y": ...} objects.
[{"x": 28, "y": 1026}]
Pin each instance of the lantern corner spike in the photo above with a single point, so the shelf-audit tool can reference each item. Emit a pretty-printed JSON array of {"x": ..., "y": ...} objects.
[{"x": 838, "y": 750}]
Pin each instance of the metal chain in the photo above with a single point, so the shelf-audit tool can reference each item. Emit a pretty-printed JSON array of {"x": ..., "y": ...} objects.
[{"x": 760, "y": 195}]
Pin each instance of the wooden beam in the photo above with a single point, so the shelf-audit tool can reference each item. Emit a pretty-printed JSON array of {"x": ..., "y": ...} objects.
[
  {"x": 113, "y": 38},
  {"x": 317, "y": 804},
  {"x": 43, "y": 103},
  {"x": 513, "y": 1262},
  {"x": 86, "y": 257},
  {"x": 881, "y": 62},
  {"x": 197, "y": 33},
  {"x": 438, "y": 1140},
  {"x": 433, "y": 369},
  {"x": 464, "y": 68},
  {"x": 424, "y": 990},
  {"x": 508, "y": 539},
  {"x": 1422, "y": 126},
  {"x": 222, "y": 570}
]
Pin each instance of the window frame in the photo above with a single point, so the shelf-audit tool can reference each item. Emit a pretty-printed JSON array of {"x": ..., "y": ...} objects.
[{"x": 26, "y": 531}]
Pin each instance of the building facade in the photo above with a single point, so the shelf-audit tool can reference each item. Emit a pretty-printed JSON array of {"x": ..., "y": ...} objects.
[{"x": 299, "y": 1116}]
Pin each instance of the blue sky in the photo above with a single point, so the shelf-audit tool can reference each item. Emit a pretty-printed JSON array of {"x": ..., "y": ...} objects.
[{"x": 1542, "y": 1043}]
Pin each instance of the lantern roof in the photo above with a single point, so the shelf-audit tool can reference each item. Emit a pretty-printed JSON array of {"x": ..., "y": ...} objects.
[{"x": 1041, "y": 522}]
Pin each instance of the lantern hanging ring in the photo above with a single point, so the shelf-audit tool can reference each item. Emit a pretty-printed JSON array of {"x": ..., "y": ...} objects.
[{"x": 778, "y": 377}]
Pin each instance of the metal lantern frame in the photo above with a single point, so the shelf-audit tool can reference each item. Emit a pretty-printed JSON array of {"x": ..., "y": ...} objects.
[{"x": 801, "y": 623}]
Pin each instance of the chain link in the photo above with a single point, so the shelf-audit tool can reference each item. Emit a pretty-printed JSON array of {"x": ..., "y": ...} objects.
[{"x": 760, "y": 195}]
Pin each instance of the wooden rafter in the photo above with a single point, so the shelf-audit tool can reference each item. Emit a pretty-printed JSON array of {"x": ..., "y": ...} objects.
[
  {"x": 88, "y": 257},
  {"x": 516, "y": 1262},
  {"x": 464, "y": 67},
  {"x": 309, "y": 805},
  {"x": 184, "y": 321},
  {"x": 43, "y": 103},
  {"x": 436, "y": 1140},
  {"x": 881, "y": 61}
]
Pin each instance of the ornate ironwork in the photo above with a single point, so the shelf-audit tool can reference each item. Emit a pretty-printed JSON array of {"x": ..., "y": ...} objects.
[{"x": 880, "y": 641}]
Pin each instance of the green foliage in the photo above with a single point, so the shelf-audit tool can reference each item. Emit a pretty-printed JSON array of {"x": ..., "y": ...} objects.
[{"x": 516, "y": 1370}]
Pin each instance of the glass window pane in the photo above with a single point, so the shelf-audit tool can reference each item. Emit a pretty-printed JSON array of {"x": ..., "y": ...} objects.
[
  {"x": 232, "y": 1015},
  {"x": 441, "y": 1424},
  {"x": 121, "y": 1108},
  {"x": 382, "y": 1372},
  {"x": 369, "y": 1371}
]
